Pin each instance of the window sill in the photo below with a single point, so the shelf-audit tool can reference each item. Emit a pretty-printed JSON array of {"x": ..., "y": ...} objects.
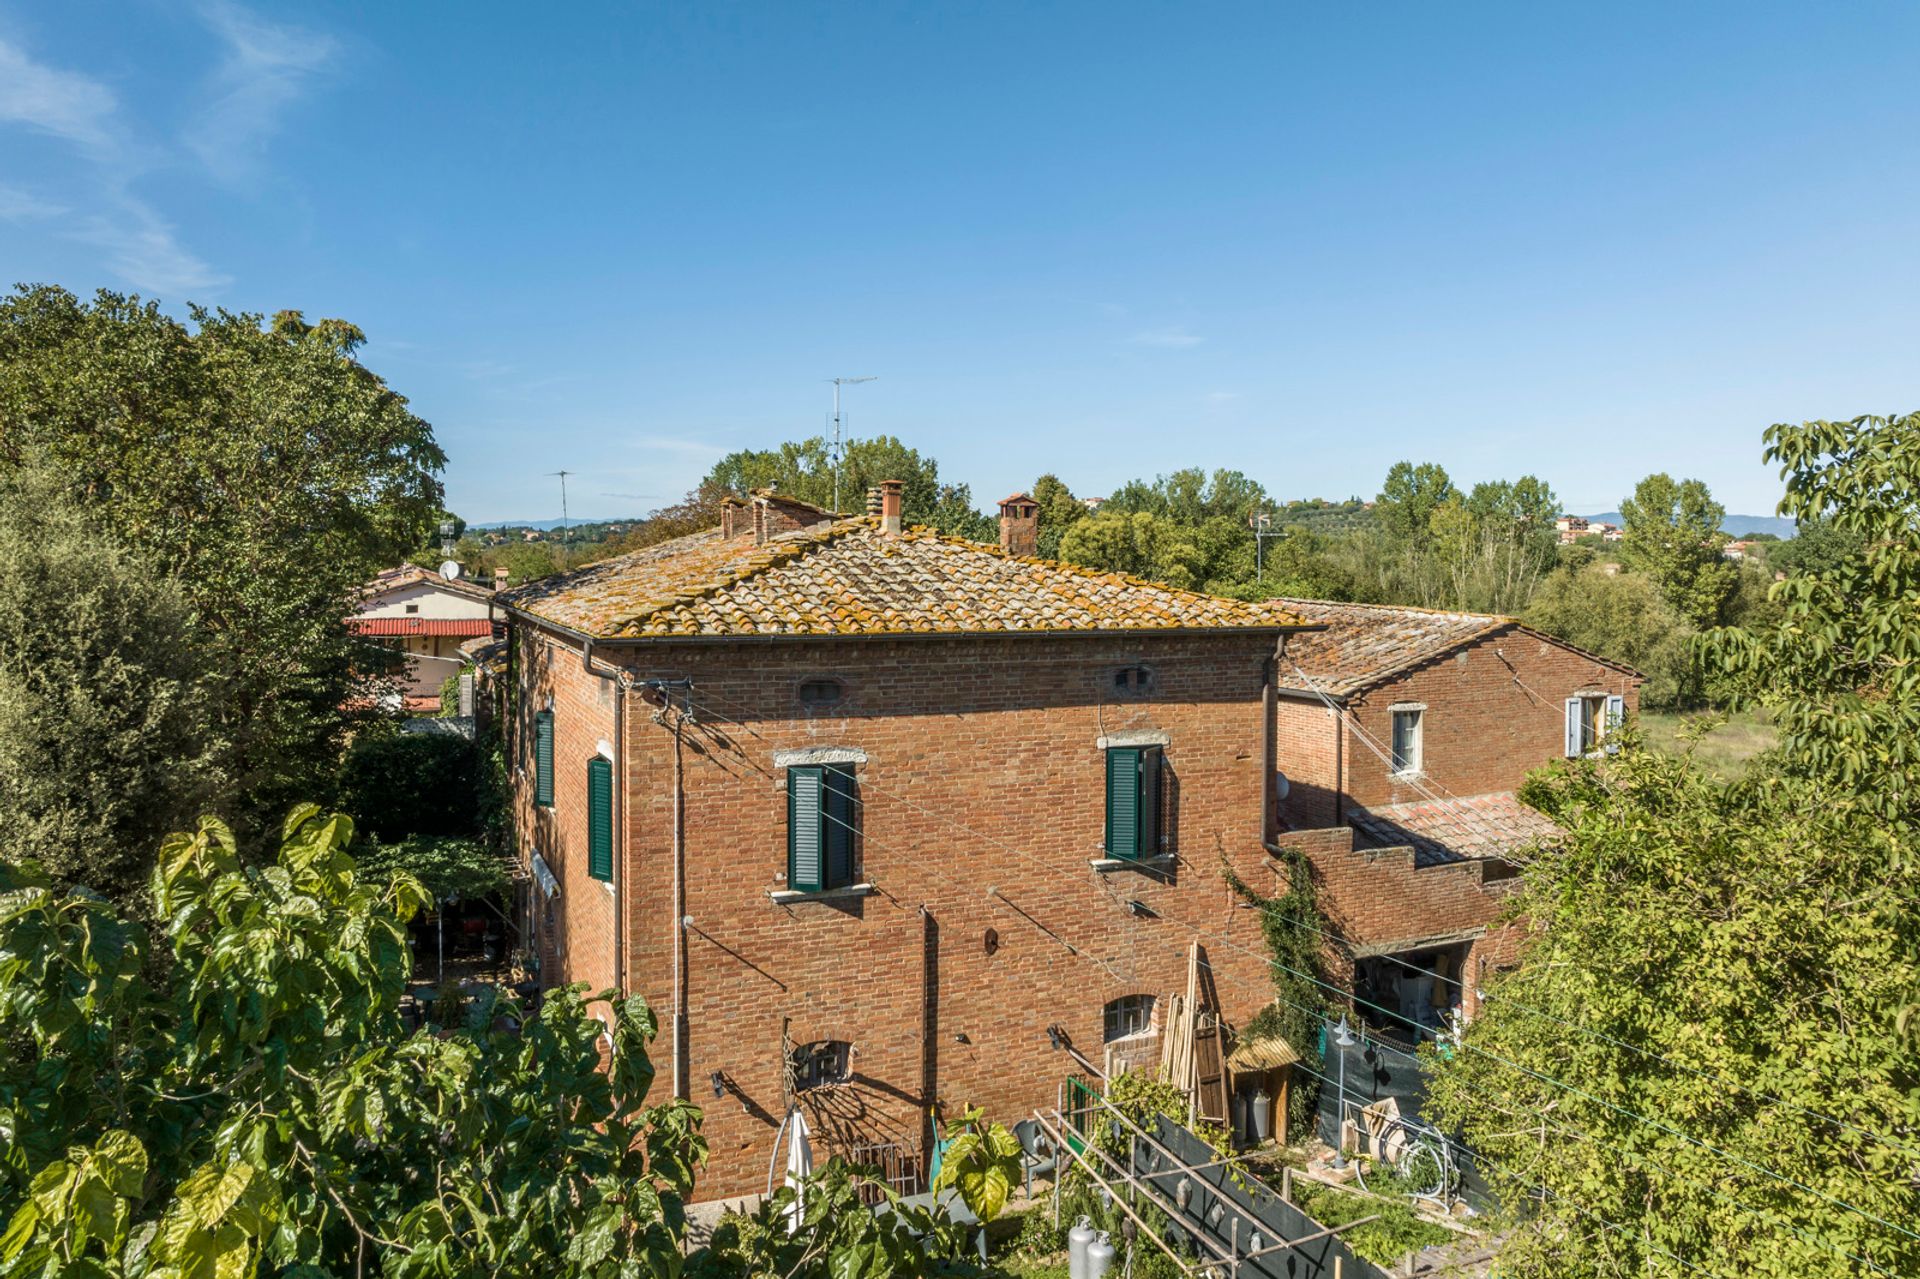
[
  {"x": 789, "y": 896},
  {"x": 1159, "y": 864}
]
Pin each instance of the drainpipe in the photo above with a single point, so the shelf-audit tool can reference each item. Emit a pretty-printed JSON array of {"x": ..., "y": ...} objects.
[
  {"x": 1269, "y": 698},
  {"x": 619, "y": 681},
  {"x": 679, "y": 924}
]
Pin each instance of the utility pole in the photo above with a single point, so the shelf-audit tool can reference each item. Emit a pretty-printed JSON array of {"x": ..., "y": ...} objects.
[
  {"x": 839, "y": 382},
  {"x": 566, "y": 528}
]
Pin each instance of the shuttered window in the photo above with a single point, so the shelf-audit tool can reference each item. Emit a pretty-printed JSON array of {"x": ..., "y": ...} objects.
[
  {"x": 600, "y": 819},
  {"x": 543, "y": 759},
  {"x": 820, "y": 827},
  {"x": 1133, "y": 802},
  {"x": 1591, "y": 718}
]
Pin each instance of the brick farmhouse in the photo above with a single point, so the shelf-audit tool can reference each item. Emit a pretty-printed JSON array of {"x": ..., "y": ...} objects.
[{"x": 865, "y": 810}]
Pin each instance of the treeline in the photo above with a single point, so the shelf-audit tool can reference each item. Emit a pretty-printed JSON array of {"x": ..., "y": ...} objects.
[{"x": 1423, "y": 541}]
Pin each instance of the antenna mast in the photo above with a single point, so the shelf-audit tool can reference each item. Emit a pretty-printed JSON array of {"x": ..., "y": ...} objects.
[
  {"x": 839, "y": 382},
  {"x": 566, "y": 527}
]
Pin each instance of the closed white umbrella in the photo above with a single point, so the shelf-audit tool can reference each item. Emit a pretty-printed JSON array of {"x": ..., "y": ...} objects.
[{"x": 799, "y": 1168}]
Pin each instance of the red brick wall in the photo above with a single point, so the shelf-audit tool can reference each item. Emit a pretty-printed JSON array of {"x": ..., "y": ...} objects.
[
  {"x": 1483, "y": 729},
  {"x": 577, "y": 944},
  {"x": 975, "y": 749}
]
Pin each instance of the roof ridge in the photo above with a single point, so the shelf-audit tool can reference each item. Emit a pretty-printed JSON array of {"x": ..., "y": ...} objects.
[{"x": 1402, "y": 608}]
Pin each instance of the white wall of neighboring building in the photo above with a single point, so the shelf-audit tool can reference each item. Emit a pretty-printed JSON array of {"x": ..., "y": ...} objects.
[{"x": 433, "y": 601}]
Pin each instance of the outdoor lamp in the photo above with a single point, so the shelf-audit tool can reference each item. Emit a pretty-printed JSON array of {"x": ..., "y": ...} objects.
[
  {"x": 719, "y": 1083},
  {"x": 1343, "y": 1037}
]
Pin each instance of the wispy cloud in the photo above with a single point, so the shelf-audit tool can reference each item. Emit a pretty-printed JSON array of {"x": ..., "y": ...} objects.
[
  {"x": 66, "y": 104},
  {"x": 1222, "y": 397},
  {"x": 694, "y": 450},
  {"x": 140, "y": 246},
  {"x": 264, "y": 69},
  {"x": 1172, "y": 337},
  {"x": 20, "y": 205}
]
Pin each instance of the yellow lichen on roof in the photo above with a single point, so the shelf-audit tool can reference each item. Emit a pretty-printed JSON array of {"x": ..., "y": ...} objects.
[
  {"x": 849, "y": 578},
  {"x": 1364, "y": 643}
]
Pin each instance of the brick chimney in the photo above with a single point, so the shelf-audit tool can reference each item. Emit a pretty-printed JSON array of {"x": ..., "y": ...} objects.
[
  {"x": 890, "y": 496},
  {"x": 873, "y": 503},
  {"x": 499, "y": 579},
  {"x": 733, "y": 517},
  {"x": 1020, "y": 525}
]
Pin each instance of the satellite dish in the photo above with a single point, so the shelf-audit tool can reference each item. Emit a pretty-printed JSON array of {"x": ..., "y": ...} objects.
[
  {"x": 1281, "y": 786},
  {"x": 450, "y": 570}
]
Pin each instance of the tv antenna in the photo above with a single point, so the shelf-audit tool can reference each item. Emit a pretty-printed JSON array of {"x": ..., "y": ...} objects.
[
  {"x": 566, "y": 528},
  {"x": 839, "y": 382}
]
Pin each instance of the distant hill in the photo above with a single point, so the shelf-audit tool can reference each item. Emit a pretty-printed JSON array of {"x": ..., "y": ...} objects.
[{"x": 1736, "y": 525}]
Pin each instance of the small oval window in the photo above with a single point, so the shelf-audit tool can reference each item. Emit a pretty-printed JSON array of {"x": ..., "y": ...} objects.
[
  {"x": 1133, "y": 681},
  {"x": 822, "y": 692}
]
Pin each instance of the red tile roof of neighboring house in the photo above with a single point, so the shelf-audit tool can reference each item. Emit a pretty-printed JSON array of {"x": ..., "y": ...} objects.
[
  {"x": 1491, "y": 825},
  {"x": 849, "y": 578},
  {"x": 461, "y": 626},
  {"x": 412, "y": 574},
  {"x": 1365, "y": 644}
]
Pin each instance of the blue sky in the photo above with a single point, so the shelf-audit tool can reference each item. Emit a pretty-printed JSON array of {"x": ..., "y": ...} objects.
[{"x": 1106, "y": 240}]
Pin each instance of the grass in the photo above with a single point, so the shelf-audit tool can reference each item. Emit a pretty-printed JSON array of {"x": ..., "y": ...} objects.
[{"x": 1726, "y": 748}]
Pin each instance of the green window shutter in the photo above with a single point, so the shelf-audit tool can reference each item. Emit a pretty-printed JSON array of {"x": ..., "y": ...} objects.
[
  {"x": 806, "y": 818},
  {"x": 600, "y": 819},
  {"x": 840, "y": 823},
  {"x": 543, "y": 759},
  {"x": 1123, "y": 801},
  {"x": 1133, "y": 802}
]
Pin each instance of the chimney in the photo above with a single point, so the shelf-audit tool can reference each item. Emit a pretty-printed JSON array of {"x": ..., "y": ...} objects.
[
  {"x": 890, "y": 491},
  {"x": 759, "y": 521},
  {"x": 1020, "y": 525},
  {"x": 499, "y": 579},
  {"x": 873, "y": 503}
]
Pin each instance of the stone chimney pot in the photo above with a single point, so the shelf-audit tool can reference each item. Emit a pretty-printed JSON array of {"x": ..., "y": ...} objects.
[{"x": 891, "y": 492}]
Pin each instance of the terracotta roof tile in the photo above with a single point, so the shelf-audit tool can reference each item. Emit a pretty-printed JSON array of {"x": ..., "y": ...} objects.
[
  {"x": 1365, "y": 643},
  {"x": 1496, "y": 824},
  {"x": 848, "y": 578}
]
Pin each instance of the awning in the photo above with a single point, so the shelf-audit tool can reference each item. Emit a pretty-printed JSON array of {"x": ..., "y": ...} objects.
[
  {"x": 456, "y": 627},
  {"x": 1269, "y": 1052}
]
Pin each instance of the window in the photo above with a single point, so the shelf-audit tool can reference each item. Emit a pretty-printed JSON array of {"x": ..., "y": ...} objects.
[
  {"x": 1133, "y": 681},
  {"x": 1129, "y": 1015},
  {"x": 413, "y": 608},
  {"x": 822, "y": 692},
  {"x": 820, "y": 826},
  {"x": 600, "y": 819},
  {"x": 543, "y": 759},
  {"x": 820, "y": 1064},
  {"x": 1407, "y": 738},
  {"x": 1133, "y": 802},
  {"x": 1590, "y": 717}
]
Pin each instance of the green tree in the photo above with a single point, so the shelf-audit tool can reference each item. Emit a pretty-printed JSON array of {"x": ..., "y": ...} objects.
[
  {"x": 1409, "y": 498},
  {"x": 256, "y": 464},
  {"x": 263, "y": 1110},
  {"x": 1672, "y": 533},
  {"x": 106, "y": 741},
  {"x": 1701, "y": 1028},
  {"x": 1709, "y": 1052},
  {"x": 1625, "y": 617},
  {"x": 1060, "y": 510},
  {"x": 1840, "y": 671},
  {"x": 1191, "y": 497},
  {"x": 1818, "y": 546},
  {"x": 804, "y": 469}
]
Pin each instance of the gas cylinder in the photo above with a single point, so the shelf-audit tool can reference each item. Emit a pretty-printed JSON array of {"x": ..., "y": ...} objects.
[
  {"x": 1099, "y": 1257},
  {"x": 1078, "y": 1239}
]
